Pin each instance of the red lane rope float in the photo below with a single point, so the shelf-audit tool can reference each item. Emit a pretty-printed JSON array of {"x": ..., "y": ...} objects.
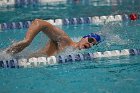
[{"x": 133, "y": 16}]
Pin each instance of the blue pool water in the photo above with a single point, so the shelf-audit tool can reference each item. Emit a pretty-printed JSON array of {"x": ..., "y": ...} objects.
[{"x": 103, "y": 75}]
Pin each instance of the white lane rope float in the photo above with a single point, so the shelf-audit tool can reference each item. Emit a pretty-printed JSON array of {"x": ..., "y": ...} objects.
[{"x": 52, "y": 60}]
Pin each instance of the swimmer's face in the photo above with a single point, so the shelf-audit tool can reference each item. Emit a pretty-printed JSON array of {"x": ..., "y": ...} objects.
[{"x": 86, "y": 43}]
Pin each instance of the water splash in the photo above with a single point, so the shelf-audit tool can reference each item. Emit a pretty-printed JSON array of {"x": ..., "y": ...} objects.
[
  {"x": 4, "y": 55},
  {"x": 70, "y": 50},
  {"x": 112, "y": 34}
]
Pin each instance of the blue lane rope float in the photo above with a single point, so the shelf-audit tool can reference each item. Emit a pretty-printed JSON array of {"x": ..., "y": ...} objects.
[
  {"x": 99, "y": 20},
  {"x": 42, "y": 61}
]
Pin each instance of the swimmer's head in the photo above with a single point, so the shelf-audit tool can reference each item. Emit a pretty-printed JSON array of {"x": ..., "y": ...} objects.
[
  {"x": 93, "y": 38},
  {"x": 89, "y": 40}
]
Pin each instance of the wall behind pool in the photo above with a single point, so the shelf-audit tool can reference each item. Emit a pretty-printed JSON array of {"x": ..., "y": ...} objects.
[
  {"x": 5, "y": 3},
  {"x": 25, "y": 10},
  {"x": 28, "y": 10}
]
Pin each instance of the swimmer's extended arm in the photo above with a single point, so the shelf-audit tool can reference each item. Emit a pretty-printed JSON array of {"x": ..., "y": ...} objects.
[{"x": 38, "y": 25}]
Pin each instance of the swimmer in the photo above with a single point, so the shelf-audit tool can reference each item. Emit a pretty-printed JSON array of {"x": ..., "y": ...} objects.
[{"x": 59, "y": 40}]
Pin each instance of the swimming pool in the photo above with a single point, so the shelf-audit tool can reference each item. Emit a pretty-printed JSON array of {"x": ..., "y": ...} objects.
[{"x": 102, "y": 75}]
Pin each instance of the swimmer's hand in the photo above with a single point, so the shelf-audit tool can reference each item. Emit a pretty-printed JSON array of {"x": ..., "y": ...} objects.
[{"x": 17, "y": 47}]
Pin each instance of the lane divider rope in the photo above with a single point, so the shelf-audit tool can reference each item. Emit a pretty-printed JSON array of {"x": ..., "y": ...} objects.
[
  {"x": 52, "y": 60},
  {"x": 98, "y": 20}
]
